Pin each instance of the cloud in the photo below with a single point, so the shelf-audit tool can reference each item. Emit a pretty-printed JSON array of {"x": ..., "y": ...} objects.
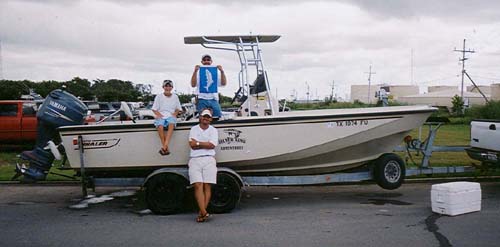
[
  {"x": 321, "y": 41},
  {"x": 480, "y": 11}
]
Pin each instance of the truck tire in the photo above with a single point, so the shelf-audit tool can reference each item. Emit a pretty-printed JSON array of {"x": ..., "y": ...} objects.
[
  {"x": 226, "y": 194},
  {"x": 389, "y": 171},
  {"x": 165, "y": 193}
]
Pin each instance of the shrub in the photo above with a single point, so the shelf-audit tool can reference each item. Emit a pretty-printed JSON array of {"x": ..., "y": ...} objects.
[
  {"x": 489, "y": 111},
  {"x": 458, "y": 105}
]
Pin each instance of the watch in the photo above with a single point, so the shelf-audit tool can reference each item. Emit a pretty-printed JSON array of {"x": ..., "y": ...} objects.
[{"x": 197, "y": 143}]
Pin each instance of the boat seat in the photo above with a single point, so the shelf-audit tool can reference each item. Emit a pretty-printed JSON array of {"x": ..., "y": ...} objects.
[{"x": 259, "y": 85}]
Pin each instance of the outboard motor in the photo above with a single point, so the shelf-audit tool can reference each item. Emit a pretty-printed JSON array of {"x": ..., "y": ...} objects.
[{"x": 60, "y": 108}]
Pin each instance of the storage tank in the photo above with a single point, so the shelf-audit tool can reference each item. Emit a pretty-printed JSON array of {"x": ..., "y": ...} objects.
[{"x": 495, "y": 92}]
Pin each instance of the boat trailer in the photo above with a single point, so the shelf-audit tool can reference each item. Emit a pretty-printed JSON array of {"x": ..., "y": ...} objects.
[{"x": 227, "y": 193}]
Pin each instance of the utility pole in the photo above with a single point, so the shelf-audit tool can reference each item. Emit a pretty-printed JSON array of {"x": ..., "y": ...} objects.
[
  {"x": 333, "y": 87},
  {"x": 463, "y": 51},
  {"x": 370, "y": 73},
  {"x": 307, "y": 93}
]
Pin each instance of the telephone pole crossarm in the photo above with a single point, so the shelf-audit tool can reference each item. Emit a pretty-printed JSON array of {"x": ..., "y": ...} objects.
[{"x": 463, "y": 51}]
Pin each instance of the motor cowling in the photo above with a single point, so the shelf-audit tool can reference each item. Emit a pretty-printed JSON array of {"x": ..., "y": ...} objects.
[{"x": 60, "y": 108}]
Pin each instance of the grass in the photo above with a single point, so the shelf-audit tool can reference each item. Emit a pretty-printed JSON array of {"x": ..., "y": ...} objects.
[
  {"x": 8, "y": 162},
  {"x": 447, "y": 135}
]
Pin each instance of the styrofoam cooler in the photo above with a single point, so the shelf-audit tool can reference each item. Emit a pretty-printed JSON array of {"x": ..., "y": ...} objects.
[{"x": 456, "y": 198}]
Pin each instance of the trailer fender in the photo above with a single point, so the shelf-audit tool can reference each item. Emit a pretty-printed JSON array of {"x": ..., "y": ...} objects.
[
  {"x": 183, "y": 172},
  {"x": 232, "y": 173}
]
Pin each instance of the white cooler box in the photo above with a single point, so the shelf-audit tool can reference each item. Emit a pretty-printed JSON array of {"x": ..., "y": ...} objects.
[{"x": 456, "y": 198}]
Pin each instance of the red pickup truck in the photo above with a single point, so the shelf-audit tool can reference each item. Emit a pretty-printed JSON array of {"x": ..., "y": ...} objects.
[{"x": 18, "y": 120}]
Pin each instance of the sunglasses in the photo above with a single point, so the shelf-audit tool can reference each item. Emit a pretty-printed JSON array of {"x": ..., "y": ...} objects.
[
  {"x": 206, "y": 116},
  {"x": 206, "y": 60}
]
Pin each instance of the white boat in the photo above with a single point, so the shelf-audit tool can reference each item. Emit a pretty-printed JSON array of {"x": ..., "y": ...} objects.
[{"x": 289, "y": 143}]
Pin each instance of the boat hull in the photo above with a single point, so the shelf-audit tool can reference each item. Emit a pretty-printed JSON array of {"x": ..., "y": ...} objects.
[{"x": 298, "y": 143}]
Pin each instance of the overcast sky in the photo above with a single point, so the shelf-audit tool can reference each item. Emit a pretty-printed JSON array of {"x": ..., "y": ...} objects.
[{"x": 320, "y": 41}]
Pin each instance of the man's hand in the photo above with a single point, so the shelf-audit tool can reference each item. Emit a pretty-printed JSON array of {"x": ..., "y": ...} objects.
[
  {"x": 223, "y": 80},
  {"x": 193, "y": 77},
  {"x": 192, "y": 144},
  {"x": 220, "y": 68}
]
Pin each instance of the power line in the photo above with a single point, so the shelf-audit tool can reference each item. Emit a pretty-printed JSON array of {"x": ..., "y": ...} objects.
[
  {"x": 489, "y": 78},
  {"x": 463, "y": 51},
  {"x": 439, "y": 79}
]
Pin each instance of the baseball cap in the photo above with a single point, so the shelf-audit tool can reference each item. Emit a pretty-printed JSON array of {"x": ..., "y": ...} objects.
[
  {"x": 168, "y": 82},
  {"x": 206, "y": 112},
  {"x": 206, "y": 55}
]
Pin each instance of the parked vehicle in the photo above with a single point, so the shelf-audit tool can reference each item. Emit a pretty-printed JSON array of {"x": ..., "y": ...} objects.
[
  {"x": 188, "y": 111},
  {"x": 145, "y": 113},
  {"x": 18, "y": 120},
  {"x": 485, "y": 141},
  {"x": 100, "y": 110}
]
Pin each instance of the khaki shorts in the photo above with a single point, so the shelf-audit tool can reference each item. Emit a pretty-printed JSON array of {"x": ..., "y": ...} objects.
[{"x": 203, "y": 170}]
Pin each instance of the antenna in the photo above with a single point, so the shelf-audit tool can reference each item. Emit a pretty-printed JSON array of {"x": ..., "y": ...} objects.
[
  {"x": 1, "y": 67},
  {"x": 411, "y": 68},
  {"x": 463, "y": 51},
  {"x": 370, "y": 73}
]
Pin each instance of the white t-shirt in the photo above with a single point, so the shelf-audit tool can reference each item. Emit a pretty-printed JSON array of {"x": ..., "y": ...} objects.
[
  {"x": 208, "y": 96},
  {"x": 209, "y": 135},
  {"x": 166, "y": 105}
]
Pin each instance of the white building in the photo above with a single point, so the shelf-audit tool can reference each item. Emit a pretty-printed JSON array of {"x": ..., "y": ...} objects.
[{"x": 360, "y": 92}]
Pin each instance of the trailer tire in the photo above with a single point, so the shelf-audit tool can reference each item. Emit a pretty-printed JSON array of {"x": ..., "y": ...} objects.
[
  {"x": 389, "y": 171},
  {"x": 226, "y": 194},
  {"x": 165, "y": 193}
]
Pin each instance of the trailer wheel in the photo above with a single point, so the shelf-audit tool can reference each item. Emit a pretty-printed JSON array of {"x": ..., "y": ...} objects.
[
  {"x": 226, "y": 194},
  {"x": 389, "y": 171},
  {"x": 165, "y": 193}
]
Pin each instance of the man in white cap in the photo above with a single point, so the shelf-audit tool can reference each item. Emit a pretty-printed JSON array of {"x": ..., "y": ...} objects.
[
  {"x": 166, "y": 107},
  {"x": 207, "y": 88},
  {"x": 203, "y": 138}
]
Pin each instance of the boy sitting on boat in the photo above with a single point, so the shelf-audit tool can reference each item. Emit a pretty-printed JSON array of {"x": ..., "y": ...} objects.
[{"x": 166, "y": 107}]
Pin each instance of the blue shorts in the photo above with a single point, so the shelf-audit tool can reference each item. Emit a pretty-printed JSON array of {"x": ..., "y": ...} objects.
[
  {"x": 165, "y": 122},
  {"x": 209, "y": 103}
]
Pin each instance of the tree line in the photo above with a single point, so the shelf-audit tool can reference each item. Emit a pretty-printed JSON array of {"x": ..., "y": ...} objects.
[{"x": 101, "y": 90}]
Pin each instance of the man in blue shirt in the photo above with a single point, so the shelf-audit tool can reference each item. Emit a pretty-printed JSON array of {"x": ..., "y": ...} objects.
[{"x": 207, "y": 78}]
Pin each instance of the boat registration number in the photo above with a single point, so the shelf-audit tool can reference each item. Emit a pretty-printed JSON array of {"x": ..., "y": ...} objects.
[{"x": 347, "y": 123}]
